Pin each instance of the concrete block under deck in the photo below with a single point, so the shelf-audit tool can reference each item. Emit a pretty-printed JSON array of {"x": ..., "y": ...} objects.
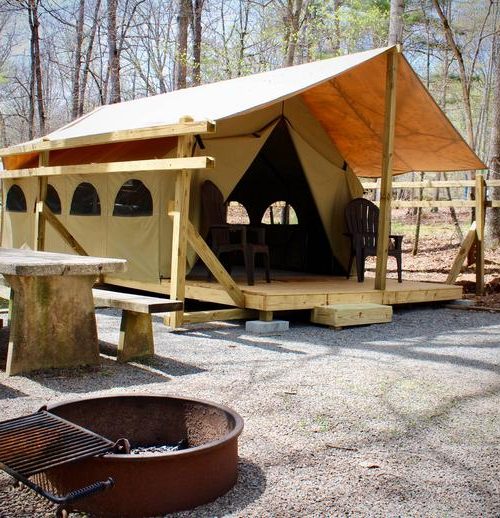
[{"x": 272, "y": 327}]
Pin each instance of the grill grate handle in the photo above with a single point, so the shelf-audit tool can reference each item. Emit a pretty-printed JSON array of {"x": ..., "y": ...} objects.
[
  {"x": 72, "y": 496},
  {"x": 96, "y": 487}
]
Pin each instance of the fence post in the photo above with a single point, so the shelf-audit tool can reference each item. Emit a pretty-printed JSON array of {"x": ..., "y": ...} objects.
[{"x": 480, "y": 222}]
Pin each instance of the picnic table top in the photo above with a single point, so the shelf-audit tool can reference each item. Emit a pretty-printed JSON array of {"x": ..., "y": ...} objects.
[{"x": 17, "y": 261}]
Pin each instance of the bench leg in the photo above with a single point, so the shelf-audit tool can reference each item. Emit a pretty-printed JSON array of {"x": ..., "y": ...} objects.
[{"x": 136, "y": 336}]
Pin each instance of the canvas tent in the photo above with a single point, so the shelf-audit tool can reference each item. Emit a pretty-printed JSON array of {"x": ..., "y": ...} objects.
[{"x": 331, "y": 111}]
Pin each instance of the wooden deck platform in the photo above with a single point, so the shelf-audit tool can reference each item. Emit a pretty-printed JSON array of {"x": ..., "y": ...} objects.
[{"x": 300, "y": 291}]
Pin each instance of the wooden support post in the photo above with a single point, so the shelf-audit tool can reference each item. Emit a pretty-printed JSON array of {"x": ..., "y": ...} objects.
[
  {"x": 480, "y": 222},
  {"x": 266, "y": 316},
  {"x": 384, "y": 221},
  {"x": 180, "y": 215},
  {"x": 43, "y": 161}
]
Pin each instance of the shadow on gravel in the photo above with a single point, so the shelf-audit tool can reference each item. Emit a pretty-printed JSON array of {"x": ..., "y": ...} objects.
[
  {"x": 250, "y": 486},
  {"x": 108, "y": 375},
  {"x": 233, "y": 339},
  {"x": 415, "y": 352},
  {"x": 10, "y": 393},
  {"x": 157, "y": 364}
]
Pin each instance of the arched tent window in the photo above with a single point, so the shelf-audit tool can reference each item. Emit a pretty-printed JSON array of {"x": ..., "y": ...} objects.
[
  {"x": 280, "y": 213},
  {"x": 16, "y": 201},
  {"x": 52, "y": 200},
  {"x": 133, "y": 199},
  {"x": 85, "y": 201},
  {"x": 237, "y": 214}
]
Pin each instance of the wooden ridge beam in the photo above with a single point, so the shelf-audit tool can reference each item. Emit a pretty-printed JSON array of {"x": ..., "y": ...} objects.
[
  {"x": 167, "y": 130},
  {"x": 161, "y": 164}
]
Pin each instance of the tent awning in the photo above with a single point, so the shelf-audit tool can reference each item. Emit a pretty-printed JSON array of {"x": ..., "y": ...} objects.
[{"x": 346, "y": 94}]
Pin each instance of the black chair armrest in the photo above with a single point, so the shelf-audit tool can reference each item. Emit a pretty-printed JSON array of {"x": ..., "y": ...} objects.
[{"x": 398, "y": 240}]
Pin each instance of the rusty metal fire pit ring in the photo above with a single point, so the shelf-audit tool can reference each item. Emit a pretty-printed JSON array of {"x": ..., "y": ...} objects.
[{"x": 153, "y": 484}]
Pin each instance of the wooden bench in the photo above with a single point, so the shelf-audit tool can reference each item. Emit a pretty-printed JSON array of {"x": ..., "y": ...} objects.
[{"x": 136, "y": 328}]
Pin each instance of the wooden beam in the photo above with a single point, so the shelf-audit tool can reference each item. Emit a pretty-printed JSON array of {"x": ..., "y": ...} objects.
[
  {"x": 43, "y": 161},
  {"x": 466, "y": 245},
  {"x": 425, "y": 184},
  {"x": 384, "y": 221},
  {"x": 167, "y": 130},
  {"x": 61, "y": 229},
  {"x": 163, "y": 164},
  {"x": 480, "y": 223},
  {"x": 197, "y": 317},
  {"x": 400, "y": 204},
  {"x": 180, "y": 215},
  {"x": 214, "y": 265}
]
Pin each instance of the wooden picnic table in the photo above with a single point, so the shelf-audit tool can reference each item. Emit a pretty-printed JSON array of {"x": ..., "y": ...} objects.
[{"x": 53, "y": 318}]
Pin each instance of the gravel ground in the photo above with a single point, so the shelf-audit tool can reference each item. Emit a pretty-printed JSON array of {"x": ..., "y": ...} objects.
[{"x": 398, "y": 419}]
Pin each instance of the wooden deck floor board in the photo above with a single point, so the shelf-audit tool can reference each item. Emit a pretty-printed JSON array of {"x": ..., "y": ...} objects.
[{"x": 298, "y": 291}]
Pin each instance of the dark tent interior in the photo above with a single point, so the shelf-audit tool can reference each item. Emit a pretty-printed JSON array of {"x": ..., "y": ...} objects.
[{"x": 276, "y": 175}]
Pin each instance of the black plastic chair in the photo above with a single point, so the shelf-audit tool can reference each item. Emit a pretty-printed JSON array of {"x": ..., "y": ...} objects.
[
  {"x": 361, "y": 217},
  {"x": 228, "y": 239}
]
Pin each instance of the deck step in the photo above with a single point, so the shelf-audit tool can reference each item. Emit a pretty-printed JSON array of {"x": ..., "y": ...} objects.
[{"x": 341, "y": 315}]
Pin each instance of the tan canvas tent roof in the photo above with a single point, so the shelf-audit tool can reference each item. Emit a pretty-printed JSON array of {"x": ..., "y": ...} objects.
[{"x": 345, "y": 94}]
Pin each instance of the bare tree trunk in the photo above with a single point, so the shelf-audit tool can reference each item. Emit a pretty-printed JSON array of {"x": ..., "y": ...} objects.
[
  {"x": 493, "y": 214},
  {"x": 337, "y": 4},
  {"x": 418, "y": 223},
  {"x": 36, "y": 64},
  {"x": 396, "y": 22},
  {"x": 197, "y": 12},
  {"x": 394, "y": 31},
  {"x": 88, "y": 59},
  {"x": 32, "y": 101},
  {"x": 444, "y": 100},
  {"x": 292, "y": 24},
  {"x": 4, "y": 141},
  {"x": 244, "y": 16},
  {"x": 75, "y": 101},
  {"x": 182, "y": 41},
  {"x": 464, "y": 81},
  {"x": 114, "y": 55}
]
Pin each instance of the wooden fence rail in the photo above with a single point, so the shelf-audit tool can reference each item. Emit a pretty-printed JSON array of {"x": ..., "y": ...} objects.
[
  {"x": 432, "y": 184},
  {"x": 475, "y": 236}
]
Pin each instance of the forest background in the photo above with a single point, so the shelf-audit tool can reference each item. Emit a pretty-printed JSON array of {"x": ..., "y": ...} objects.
[{"x": 60, "y": 59}]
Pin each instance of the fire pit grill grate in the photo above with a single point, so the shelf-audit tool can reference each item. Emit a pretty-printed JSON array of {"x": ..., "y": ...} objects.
[{"x": 35, "y": 443}]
